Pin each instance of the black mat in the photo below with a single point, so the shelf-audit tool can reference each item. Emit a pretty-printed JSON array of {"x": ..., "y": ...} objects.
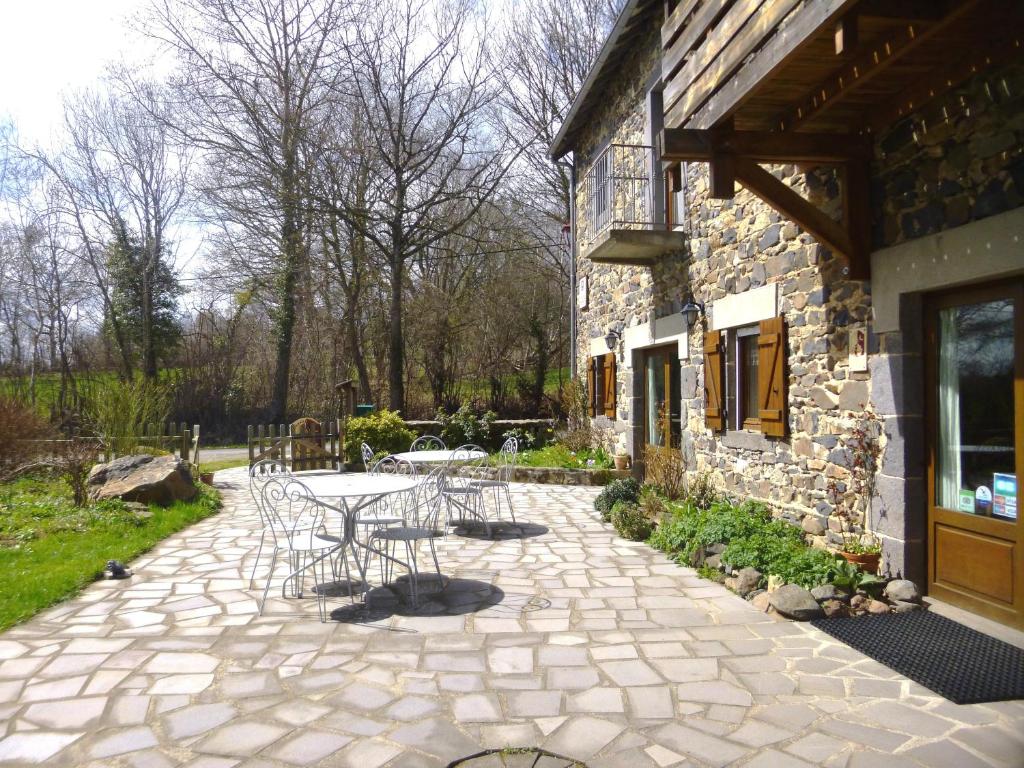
[{"x": 955, "y": 661}]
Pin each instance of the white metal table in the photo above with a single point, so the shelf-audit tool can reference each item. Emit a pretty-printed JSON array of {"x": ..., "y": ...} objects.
[{"x": 354, "y": 492}]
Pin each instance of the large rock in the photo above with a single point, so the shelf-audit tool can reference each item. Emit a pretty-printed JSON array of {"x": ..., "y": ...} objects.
[
  {"x": 903, "y": 590},
  {"x": 143, "y": 478},
  {"x": 795, "y": 602},
  {"x": 747, "y": 580}
]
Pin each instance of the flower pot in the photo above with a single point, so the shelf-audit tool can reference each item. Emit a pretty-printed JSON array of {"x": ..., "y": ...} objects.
[
  {"x": 206, "y": 478},
  {"x": 867, "y": 562},
  {"x": 622, "y": 462}
]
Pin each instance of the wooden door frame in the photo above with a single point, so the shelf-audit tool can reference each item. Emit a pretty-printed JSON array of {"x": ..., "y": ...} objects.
[
  {"x": 647, "y": 352},
  {"x": 986, "y": 526}
]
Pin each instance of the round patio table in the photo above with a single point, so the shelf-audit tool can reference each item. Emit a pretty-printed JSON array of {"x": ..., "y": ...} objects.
[{"x": 353, "y": 493}]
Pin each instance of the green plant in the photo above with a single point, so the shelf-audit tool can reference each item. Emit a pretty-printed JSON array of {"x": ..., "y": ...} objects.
[
  {"x": 384, "y": 431},
  {"x": 577, "y": 435},
  {"x": 524, "y": 437},
  {"x": 630, "y": 521},
  {"x": 20, "y": 430},
  {"x": 701, "y": 491},
  {"x": 849, "y": 578},
  {"x": 862, "y": 547},
  {"x": 664, "y": 468},
  {"x": 121, "y": 412},
  {"x": 850, "y": 501},
  {"x": 652, "y": 505},
  {"x": 466, "y": 426},
  {"x": 626, "y": 489},
  {"x": 711, "y": 574}
]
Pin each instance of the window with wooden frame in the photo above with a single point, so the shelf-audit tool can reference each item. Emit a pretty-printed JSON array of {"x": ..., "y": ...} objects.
[
  {"x": 601, "y": 385},
  {"x": 745, "y": 378}
]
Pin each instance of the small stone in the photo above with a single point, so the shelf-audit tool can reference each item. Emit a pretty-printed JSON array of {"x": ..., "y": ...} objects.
[
  {"x": 825, "y": 592},
  {"x": 877, "y": 607},
  {"x": 716, "y": 549},
  {"x": 795, "y": 602},
  {"x": 747, "y": 581},
  {"x": 812, "y": 525},
  {"x": 834, "y": 609},
  {"x": 902, "y": 606},
  {"x": 762, "y": 602},
  {"x": 902, "y": 589},
  {"x": 857, "y": 601},
  {"x": 715, "y": 561}
]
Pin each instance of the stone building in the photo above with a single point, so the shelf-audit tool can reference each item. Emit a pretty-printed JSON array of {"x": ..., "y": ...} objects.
[{"x": 798, "y": 233}]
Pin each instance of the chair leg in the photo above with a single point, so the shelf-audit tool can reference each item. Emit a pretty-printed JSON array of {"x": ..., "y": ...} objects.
[
  {"x": 252, "y": 576},
  {"x": 508, "y": 496},
  {"x": 270, "y": 575},
  {"x": 437, "y": 566}
]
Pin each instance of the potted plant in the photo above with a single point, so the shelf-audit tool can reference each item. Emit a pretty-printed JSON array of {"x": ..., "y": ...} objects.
[
  {"x": 865, "y": 554},
  {"x": 622, "y": 460},
  {"x": 851, "y": 501}
]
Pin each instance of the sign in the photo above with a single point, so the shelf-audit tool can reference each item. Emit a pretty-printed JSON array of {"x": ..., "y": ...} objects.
[
  {"x": 858, "y": 348},
  {"x": 1004, "y": 496},
  {"x": 582, "y": 292},
  {"x": 966, "y": 501},
  {"x": 983, "y": 495}
]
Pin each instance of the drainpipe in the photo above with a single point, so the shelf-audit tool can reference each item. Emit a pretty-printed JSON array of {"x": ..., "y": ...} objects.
[{"x": 572, "y": 268}]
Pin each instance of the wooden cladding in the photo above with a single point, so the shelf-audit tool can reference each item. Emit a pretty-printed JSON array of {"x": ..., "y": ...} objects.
[
  {"x": 771, "y": 376},
  {"x": 601, "y": 386},
  {"x": 714, "y": 370}
]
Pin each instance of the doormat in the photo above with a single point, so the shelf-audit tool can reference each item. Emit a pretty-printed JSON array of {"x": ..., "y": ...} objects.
[{"x": 957, "y": 662}]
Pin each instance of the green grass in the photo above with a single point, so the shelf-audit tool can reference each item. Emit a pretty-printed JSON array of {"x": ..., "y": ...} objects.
[
  {"x": 49, "y": 549},
  {"x": 217, "y": 466},
  {"x": 557, "y": 455}
]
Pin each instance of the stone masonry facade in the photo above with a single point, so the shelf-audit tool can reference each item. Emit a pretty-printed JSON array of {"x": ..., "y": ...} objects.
[{"x": 929, "y": 174}]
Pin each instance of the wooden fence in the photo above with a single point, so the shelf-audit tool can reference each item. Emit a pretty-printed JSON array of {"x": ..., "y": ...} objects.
[
  {"x": 303, "y": 444},
  {"x": 178, "y": 439}
]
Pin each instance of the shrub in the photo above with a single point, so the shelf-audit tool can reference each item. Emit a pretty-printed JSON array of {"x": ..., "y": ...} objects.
[
  {"x": 524, "y": 437},
  {"x": 577, "y": 434},
  {"x": 701, "y": 491},
  {"x": 20, "y": 426},
  {"x": 664, "y": 469},
  {"x": 466, "y": 426},
  {"x": 630, "y": 521},
  {"x": 384, "y": 431},
  {"x": 626, "y": 489},
  {"x": 653, "y": 506},
  {"x": 120, "y": 411}
]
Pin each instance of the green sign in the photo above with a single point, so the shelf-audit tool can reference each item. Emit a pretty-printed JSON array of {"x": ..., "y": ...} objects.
[{"x": 966, "y": 501}]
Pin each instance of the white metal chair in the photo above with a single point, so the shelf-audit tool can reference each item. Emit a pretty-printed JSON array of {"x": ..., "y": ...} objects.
[
  {"x": 506, "y": 465},
  {"x": 259, "y": 474},
  {"x": 367, "y": 453},
  {"x": 428, "y": 443},
  {"x": 462, "y": 469},
  {"x": 422, "y": 524},
  {"x": 297, "y": 527}
]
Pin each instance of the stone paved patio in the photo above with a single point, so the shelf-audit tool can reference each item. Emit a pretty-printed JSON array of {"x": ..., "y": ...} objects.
[{"x": 569, "y": 638}]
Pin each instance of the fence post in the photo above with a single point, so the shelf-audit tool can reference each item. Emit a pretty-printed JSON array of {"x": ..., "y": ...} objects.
[
  {"x": 186, "y": 443},
  {"x": 248, "y": 442}
]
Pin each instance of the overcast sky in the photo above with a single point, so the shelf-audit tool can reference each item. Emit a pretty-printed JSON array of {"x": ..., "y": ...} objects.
[{"x": 50, "y": 46}]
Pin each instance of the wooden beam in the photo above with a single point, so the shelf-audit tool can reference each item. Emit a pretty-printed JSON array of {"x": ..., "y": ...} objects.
[
  {"x": 873, "y": 62},
  {"x": 723, "y": 176},
  {"x": 855, "y": 182},
  {"x": 676, "y": 52},
  {"x": 774, "y": 54},
  {"x": 977, "y": 59},
  {"x": 793, "y": 206},
  {"x": 689, "y": 144},
  {"x": 906, "y": 11},
  {"x": 847, "y": 36},
  {"x": 676, "y": 20}
]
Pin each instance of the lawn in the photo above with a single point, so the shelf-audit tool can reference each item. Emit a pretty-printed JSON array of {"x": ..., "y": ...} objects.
[
  {"x": 557, "y": 455},
  {"x": 49, "y": 549},
  {"x": 217, "y": 466}
]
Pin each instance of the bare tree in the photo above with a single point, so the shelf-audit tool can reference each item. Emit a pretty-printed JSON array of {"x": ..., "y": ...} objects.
[
  {"x": 423, "y": 86},
  {"x": 251, "y": 79}
]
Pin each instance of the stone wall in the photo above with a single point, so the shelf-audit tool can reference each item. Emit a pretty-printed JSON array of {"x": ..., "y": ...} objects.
[{"x": 928, "y": 175}]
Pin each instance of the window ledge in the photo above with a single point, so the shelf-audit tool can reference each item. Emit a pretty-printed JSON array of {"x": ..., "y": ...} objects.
[{"x": 747, "y": 440}]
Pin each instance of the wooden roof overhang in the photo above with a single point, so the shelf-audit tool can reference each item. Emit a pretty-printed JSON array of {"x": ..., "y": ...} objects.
[{"x": 813, "y": 82}]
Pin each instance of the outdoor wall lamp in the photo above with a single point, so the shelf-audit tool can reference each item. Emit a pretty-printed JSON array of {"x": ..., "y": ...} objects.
[
  {"x": 612, "y": 338},
  {"x": 691, "y": 309}
]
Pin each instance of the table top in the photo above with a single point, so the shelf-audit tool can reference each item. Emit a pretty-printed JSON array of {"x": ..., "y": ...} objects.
[
  {"x": 336, "y": 485},
  {"x": 439, "y": 457}
]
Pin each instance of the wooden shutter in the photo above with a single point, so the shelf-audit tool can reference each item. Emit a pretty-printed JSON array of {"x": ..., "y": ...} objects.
[
  {"x": 609, "y": 385},
  {"x": 592, "y": 387},
  {"x": 771, "y": 376},
  {"x": 714, "y": 411}
]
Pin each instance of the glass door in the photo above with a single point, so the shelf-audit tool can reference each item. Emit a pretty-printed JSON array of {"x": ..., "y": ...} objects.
[
  {"x": 976, "y": 394},
  {"x": 662, "y": 398}
]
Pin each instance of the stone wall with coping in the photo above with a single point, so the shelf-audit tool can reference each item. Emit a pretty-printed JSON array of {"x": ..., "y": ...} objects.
[{"x": 923, "y": 182}]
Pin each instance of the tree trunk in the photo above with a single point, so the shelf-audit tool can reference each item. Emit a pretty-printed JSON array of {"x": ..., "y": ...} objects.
[
  {"x": 396, "y": 349},
  {"x": 285, "y": 320}
]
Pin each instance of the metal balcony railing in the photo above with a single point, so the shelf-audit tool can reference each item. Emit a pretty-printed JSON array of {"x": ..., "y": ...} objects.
[{"x": 618, "y": 192}]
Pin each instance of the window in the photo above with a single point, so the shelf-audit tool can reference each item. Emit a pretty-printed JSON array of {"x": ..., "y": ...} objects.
[
  {"x": 601, "y": 385},
  {"x": 744, "y": 378}
]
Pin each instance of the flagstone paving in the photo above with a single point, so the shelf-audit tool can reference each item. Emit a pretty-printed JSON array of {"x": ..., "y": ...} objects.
[{"x": 569, "y": 638}]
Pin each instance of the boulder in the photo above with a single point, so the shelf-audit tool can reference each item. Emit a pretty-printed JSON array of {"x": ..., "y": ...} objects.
[
  {"x": 813, "y": 526},
  {"x": 877, "y": 607},
  {"x": 747, "y": 580},
  {"x": 902, "y": 589},
  {"x": 716, "y": 549},
  {"x": 902, "y": 606},
  {"x": 143, "y": 478},
  {"x": 824, "y": 592},
  {"x": 714, "y": 561},
  {"x": 795, "y": 602}
]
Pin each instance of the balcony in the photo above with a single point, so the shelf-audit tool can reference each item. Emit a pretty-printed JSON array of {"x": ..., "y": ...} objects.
[{"x": 622, "y": 220}]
